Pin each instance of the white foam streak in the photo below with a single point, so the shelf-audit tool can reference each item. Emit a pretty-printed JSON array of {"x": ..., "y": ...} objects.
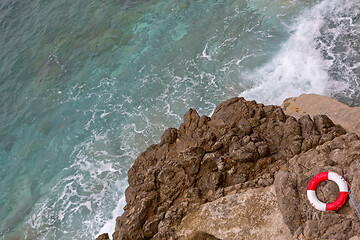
[
  {"x": 204, "y": 54},
  {"x": 298, "y": 67},
  {"x": 109, "y": 226}
]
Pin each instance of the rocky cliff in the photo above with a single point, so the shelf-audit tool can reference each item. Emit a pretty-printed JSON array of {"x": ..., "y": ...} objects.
[
  {"x": 313, "y": 104},
  {"x": 241, "y": 174}
]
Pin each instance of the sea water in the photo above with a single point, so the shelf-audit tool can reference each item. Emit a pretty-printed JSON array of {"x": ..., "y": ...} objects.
[{"x": 86, "y": 85}]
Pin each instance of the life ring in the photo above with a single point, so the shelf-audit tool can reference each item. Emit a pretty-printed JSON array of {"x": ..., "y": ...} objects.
[{"x": 343, "y": 188}]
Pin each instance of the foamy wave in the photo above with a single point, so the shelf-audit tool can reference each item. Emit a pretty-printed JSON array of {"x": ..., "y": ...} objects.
[
  {"x": 83, "y": 195},
  {"x": 88, "y": 195},
  {"x": 340, "y": 43},
  {"x": 109, "y": 226},
  {"x": 300, "y": 66}
]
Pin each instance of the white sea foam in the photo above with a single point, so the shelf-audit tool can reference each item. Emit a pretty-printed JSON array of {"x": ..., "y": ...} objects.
[
  {"x": 109, "y": 226},
  {"x": 91, "y": 179},
  {"x": 299, "y": 67}
]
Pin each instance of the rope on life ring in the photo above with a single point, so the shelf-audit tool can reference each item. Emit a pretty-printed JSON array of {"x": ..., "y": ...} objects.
[{"x": 343, "y": 188}]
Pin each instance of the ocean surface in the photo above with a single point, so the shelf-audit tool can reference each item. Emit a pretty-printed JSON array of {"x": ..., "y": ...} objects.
[{"x": 86, "y": 85}]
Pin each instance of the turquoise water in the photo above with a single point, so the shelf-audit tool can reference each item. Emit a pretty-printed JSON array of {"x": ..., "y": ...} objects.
[{"x": 87, "y": 85}]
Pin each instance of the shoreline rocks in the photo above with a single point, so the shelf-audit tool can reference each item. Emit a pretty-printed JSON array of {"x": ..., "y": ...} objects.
[
  {"x": 212, "y": 168},
  {"x": 313, "y": 104}
]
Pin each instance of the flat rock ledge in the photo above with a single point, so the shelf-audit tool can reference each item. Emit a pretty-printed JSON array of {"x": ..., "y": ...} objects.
[
  {"x": 241, "y": 174},
  {"x": 224, "y": 218},
  {"x": 313, "y": 104}
]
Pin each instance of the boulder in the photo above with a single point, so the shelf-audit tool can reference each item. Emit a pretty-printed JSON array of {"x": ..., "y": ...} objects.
[
  {"x": 250, "y": 214},
  {"x": 104, "y": 236},
  {"x": 313, "y": 104}
]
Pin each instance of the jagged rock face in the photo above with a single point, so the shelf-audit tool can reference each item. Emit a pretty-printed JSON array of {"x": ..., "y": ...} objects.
[
  {"x": 243, "y": 144},
  {"x": 104, "y": 236},
  {"x": 341, "y": 155},
  {"x": 313, "y": 104}
]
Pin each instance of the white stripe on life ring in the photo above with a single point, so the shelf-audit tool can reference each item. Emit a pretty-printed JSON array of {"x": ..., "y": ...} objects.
[
  {"x": 315, "y": 202},
  {"x": 343, "y": 187}
]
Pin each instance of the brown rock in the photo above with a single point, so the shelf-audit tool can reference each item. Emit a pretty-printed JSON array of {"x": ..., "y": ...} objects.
[
  {"x": 169, "y": 136},
  {"x": 322, "y": 122},
  {"x": 302, "y": 219},
  {"x": 252, "y": 214},
  {"x": 235, "y": 154},
  {"x": 203, "y": 236},
  {"x": 103, "y": 236},
  {"x": 313, "y": 104}
]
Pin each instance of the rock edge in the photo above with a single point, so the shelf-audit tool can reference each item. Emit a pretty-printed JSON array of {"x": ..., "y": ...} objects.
[{"x": 243, "y": 146}]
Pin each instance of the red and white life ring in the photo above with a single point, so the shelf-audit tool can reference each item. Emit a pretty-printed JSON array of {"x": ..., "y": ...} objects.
[{"x": 343, "y": 188}]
